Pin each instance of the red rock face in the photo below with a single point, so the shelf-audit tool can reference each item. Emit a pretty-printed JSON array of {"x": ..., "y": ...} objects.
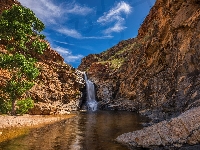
[
  {"x": 6, "y": 4},
  {"x": 49, "y": 55},
  {"x": 57, "y": 89},
  {"x": 160, "y": 67}
]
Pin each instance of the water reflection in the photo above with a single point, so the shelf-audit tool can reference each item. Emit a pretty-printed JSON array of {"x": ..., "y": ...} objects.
[{"x": 87, "y": 131}]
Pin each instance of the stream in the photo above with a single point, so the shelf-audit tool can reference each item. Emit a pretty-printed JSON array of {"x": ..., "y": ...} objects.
[{"x": 87, "y": 131}]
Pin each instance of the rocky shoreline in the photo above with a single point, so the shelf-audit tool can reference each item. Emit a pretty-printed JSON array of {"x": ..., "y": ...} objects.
[
  {"x": 15, "y": 126},
  {"x": 29, "y": 120},
  {"x": 173, "y": 134}
]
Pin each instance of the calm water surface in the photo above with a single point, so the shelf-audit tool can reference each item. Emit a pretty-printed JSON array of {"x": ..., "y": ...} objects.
[{"x": 88, "y": 131}]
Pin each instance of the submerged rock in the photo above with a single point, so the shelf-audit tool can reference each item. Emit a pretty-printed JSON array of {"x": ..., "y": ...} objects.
[{"x": 184, "y": 129}]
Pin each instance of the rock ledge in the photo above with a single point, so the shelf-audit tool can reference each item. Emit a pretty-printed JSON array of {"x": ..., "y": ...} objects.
[{"x": 184, "y": 129}]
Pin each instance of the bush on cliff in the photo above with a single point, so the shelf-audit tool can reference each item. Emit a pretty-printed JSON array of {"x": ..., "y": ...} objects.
[{"x": 20, "y": 34}]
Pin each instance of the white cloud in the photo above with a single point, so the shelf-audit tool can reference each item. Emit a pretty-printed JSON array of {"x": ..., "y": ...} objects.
[
  {"x": 56, "y": 16},
  {"x": 77, "y": 9},
  {"x": 49, "y": 12},
  {"x": 114, "y": 15},
  {"x": 118, "y": 27},
  {"x": 69, "y": 32},
  {"x": 66, "y": 43},
  {"x": 67, "y": 54},
  {"x": 73, "y": 58},
  {"x": 77, "y": 35},
  {"x": 98, "y": 37},
  {"x": 62, "y": 50},
  {"x": 45, "y": 10}
]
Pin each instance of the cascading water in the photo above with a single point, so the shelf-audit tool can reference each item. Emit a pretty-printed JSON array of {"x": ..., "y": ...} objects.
[{"x": 91, "y": 100}]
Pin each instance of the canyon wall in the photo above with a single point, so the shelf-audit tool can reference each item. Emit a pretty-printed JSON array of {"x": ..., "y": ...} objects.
[
  {"x": 156, "y": 74},
  {"x": 159, "y": 69},
  {"x": 57, "y": 89}
]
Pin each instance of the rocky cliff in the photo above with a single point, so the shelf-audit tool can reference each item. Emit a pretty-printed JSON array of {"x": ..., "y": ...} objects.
[
  {"x": 6, "y": 4},
  {"x": 57, "y": 89},
  {"x": 159, "y": 69},
  {"x": 157, "y": 74}
]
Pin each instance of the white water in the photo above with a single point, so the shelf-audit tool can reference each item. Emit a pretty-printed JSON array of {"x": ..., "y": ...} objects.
[{"x": 91, "y": 100}]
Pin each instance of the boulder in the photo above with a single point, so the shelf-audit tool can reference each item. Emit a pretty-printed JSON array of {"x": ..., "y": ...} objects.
[{"x": 177, "y": 132}]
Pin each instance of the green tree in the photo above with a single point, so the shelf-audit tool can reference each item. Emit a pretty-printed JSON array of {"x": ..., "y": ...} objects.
[{"x": 20, "y": 34}]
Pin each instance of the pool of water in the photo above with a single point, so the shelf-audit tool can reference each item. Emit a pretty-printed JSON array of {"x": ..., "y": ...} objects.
[{"x": 87, "y": 131}]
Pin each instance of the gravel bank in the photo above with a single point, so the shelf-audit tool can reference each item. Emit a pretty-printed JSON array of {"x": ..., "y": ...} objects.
[{"x": 29, "y": 120}]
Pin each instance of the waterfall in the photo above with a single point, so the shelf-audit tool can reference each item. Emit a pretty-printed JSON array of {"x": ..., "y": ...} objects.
[{"x": 91, "y": 100}]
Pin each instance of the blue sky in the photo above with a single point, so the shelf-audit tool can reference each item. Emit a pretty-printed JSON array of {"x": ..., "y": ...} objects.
[{"x": 77, "y": 28}]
